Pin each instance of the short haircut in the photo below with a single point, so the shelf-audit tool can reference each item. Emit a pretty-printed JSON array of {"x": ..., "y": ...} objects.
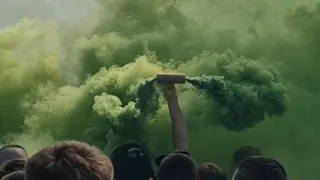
[
  {"x": 69, "y": 160},
  {"x": 12, "y": 146},
  {"x": 242, "y": 153},
  {"x": 158, "y": 159},
  {"x": 211, "y": 171},
  {"x": 260, "y": 168},
  {"x": 131, "y": 161},
  {"x": 12, "y": 166},
  {"x": 12, "y": 151},
  {"x": 178, "y": 166},
  {"x": 17, "y": 175}
]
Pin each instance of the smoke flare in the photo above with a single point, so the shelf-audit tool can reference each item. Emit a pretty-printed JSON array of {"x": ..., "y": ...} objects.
[{"x": 61, "y": 65}]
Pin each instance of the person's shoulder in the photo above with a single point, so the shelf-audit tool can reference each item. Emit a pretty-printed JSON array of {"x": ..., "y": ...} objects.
[{"x": 158, "y": 159}]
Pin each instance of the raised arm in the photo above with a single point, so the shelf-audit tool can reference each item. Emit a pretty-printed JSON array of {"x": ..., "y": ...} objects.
[{"x": 179, "y": 126}]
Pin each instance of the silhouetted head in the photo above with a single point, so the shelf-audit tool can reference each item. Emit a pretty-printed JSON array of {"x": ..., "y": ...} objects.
[
  {"x": 11, "y": 152},
  {"x": 211, "y": 171},
  {"x": 241, "y": 154},
  {"x": 158, "y": 159},
  {"x": 178, "y": 166},
  {"x": 17, "y": 175},
  {"x": 259, "y": 168},
  {"x": 69, "y": 160},
  {"x": 131, "y": 161}
]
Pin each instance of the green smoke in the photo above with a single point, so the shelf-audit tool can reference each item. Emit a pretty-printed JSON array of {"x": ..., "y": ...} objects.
[
  {"x": 148, "y": 99},
  {"x": 79, "y": 83},
  {"x": 245, "y": 93}
]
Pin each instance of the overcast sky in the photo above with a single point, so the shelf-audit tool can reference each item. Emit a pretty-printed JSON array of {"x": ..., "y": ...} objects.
[{"x": 59, "y": 10}]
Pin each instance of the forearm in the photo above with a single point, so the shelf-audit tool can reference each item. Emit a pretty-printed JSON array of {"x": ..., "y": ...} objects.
[{"x": 179, "y": 126}]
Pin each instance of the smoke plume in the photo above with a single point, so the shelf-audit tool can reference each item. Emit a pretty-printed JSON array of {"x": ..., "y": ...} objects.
[{"x": 74, "y": 73}]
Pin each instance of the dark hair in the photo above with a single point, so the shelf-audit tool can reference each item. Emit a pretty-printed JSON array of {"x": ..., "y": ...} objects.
[
  {"x": 241, "y": 154},
  {"x": 12, "y": 146},
  {"x": 131, "y": 161},
  {"x": 17, "y": 175},
  {"x": 260, "y": 168},
  {"x": 178, "y": 166},
  {"x": 2, "y": 172},
  {"x": 12, "y": 166},
  {"x": 244, "y": 152},
  {"x": 69, "y": 160},
  {"x": 12, "y": 151},
  {"x": 158, "y": 159},
  {"x": 211, "y": 171}
]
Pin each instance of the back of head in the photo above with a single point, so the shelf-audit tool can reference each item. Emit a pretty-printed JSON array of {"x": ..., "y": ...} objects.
[
  {"x": 211, "y": 171},
  {"x": 178, "y": 166},
  {"x": 12, "y": 166},
  {"x": 260, "y": 168},
  {"x": 69, "y": 160},
  {"x": 17, "y": 175},
  {"x": 131, "y": 161},
  {"x": 158, "y": 159},
  {"x": 11, "y": 152},
  {"x": 242, "y": 153}
]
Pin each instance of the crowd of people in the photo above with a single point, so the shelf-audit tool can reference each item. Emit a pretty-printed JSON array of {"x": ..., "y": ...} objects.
[{"x": 73, "y": 160}]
